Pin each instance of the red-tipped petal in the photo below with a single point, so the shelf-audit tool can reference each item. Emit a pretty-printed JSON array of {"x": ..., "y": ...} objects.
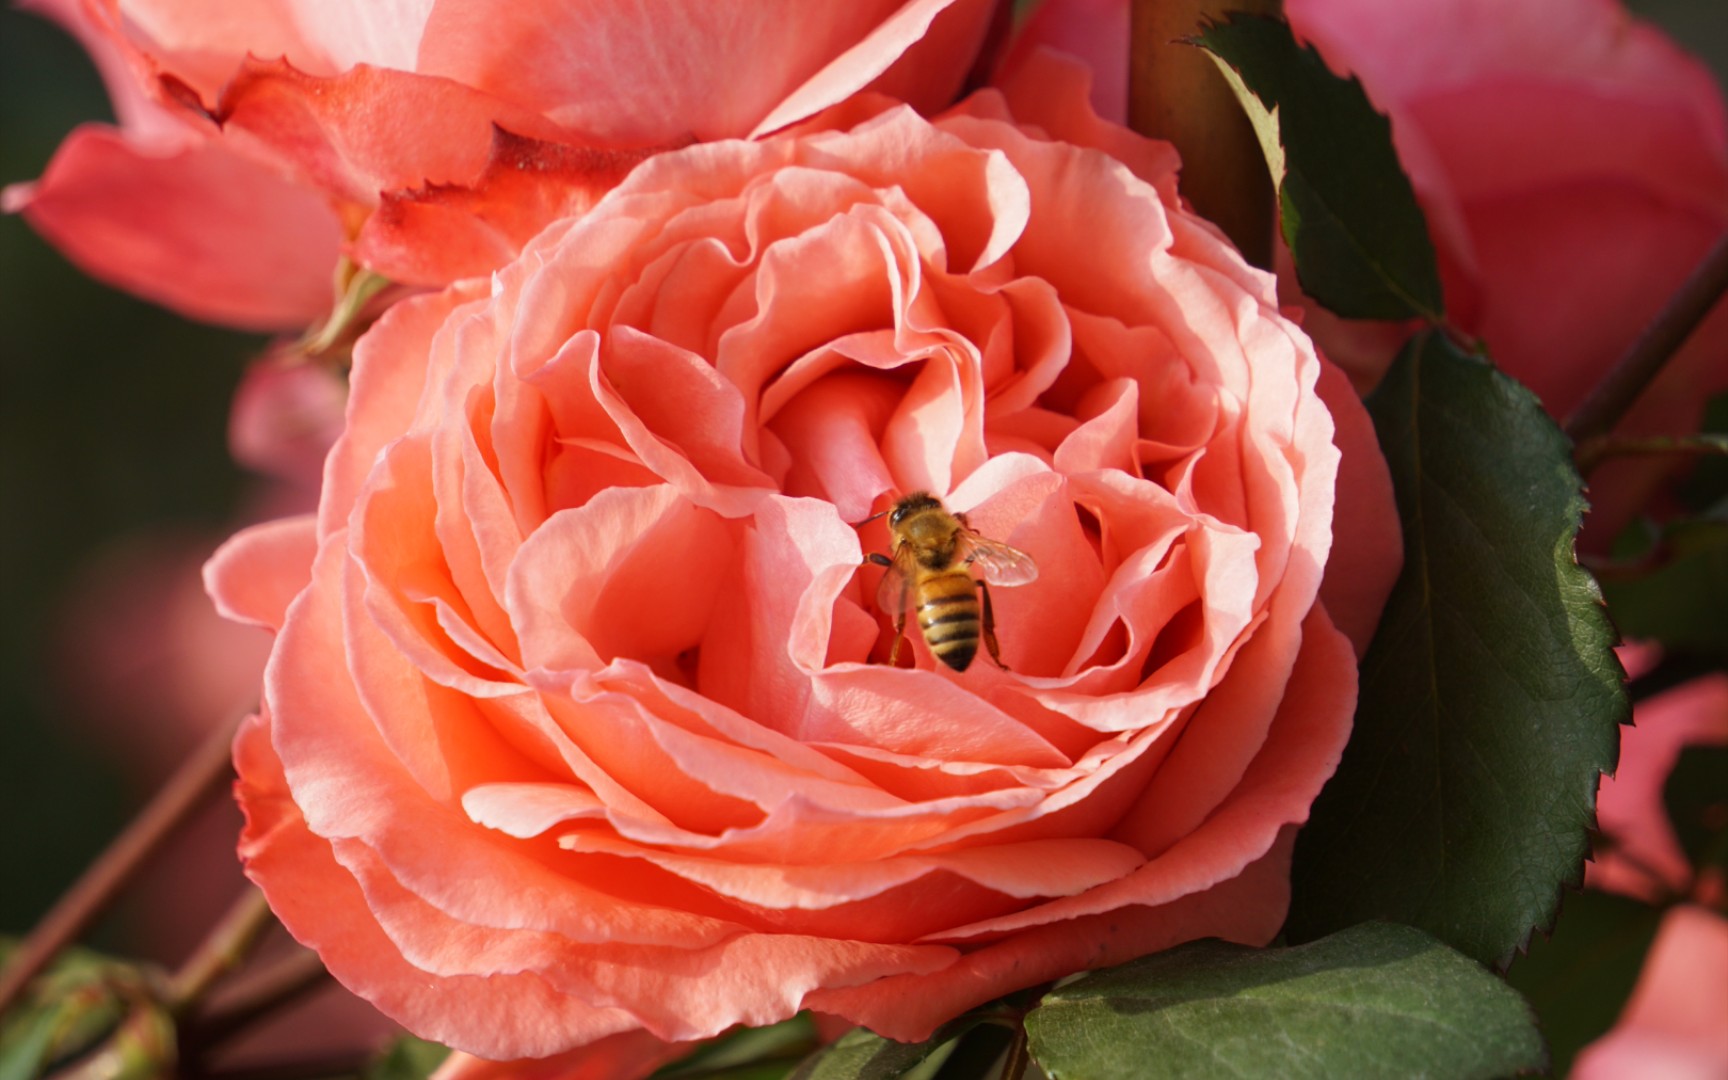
[{"x": 445, "y": 232}]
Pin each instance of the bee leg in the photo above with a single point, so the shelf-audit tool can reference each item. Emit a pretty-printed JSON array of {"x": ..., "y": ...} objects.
[
  {"x": 988, "y": 625},
  {"x": 879, "y": 559}
]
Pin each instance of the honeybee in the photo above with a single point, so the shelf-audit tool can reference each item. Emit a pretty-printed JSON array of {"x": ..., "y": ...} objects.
[{"x": 936, "y": 554}]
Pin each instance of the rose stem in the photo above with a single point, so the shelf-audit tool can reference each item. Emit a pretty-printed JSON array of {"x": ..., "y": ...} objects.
[
  {"x": 200, "y": 776},
  {"x": 1617, "y": 391},
  {"x": 225, "y": 949},
  {"x": 1175, "y": 92},
  {"x": 1014, "y": 1062},
  {"x": 1607, "y": 446},
  {"x": 274, "y": 987}
]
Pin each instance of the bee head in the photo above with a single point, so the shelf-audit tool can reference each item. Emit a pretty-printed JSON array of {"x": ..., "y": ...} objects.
[{"x": 912, "y": 504}]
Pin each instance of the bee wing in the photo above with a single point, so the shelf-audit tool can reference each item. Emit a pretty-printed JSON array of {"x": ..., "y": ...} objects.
[
  {"x": 998, "y": 563},
  {"x": 894, "y": 595}
]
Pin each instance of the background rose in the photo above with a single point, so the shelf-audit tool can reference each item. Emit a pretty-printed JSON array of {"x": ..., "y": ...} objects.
[
  {"x": 145, "y": 670},
  {"x": 1671, "y": 1029},
  {"x": 427, "y": 140},
  {"x": 582, "y": 725},
  {"x": 1573, "y": 166},
  {"x": 1639, "y": 854}
]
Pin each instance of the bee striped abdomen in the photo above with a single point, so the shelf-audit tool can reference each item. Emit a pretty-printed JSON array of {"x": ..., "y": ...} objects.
[{"x": 948, "y": 616}]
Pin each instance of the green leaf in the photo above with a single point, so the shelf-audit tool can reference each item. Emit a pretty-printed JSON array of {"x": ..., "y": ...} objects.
[
  {"x": 764, "y": 1053},
  {"x": 1696, "y": 796},
  {"x": 408, "y": 1058},
  {"x": 1349, "y": 214},
  {"x": 1374, "y": 1000},
  {"x": 863, "y": 1055},
  {"x": 90, "y": 1009},
  {"x": 1490, "y": 697},
  {"x": 1578, "y": 979}
]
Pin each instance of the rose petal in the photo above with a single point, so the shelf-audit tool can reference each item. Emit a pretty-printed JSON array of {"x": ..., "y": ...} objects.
[
  {"x": 1642, "y": 856},
  {"x": 1248, "y": 908},
  {"x": 255, "y": 575},
  {"x": 1368, "y": 548},
  {"x": 624, "y": 1056},
  {"x": 1671, "y": 1029},
  {"x": 198, "y": 229}
]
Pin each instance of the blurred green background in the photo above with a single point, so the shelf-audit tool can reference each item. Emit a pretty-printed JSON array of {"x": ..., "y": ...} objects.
[{"x": 112, "y": 420}]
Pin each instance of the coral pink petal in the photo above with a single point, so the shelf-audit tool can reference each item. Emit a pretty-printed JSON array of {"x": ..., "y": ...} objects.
[
  {"x": 325, "y": 908},
  {"x": 1050, "y": 90},
  {"x": 399, "y": 839},
  {"x": 390, "y": 370},
  {"x": 201, "y": 230},
  {"x": 371, "y": 130},
  {"x": 645, "y": 75},
  {"x": 634, "y": 572},
  {"x": 1368, "y": 550},
  {"x": 910, "y": 56},
  {"x": 1301, "y": 751},
  {"x": 198, "y": 41},
  {"x": 628, "y": 1055},
  {"x": 1248, "y": 908},
  {"x": 258, "y": 572},
  {"x": 383, "y": 33},
  {"x": 1093, "y": 31},
  {"x": 441, "y": 233}
]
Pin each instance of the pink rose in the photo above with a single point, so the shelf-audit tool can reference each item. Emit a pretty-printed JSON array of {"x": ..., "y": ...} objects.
[
  {"x": 1672, "y": 1027},
  {"x": 584, "y": 723},
  {"x": 1573, "y": 166},
  {"x": 1640, "y": 855},
  {"x": 426, "y": 140}
]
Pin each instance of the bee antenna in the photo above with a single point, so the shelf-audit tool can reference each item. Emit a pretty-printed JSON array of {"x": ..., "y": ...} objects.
[{"x": 884, "y": 512}]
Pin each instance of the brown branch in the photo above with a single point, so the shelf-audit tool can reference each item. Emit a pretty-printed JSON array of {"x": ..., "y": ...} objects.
[
  {"x": 1018, "y": 1055},
  {"x": 275, "y": 987},
  {"x": 1592, "y": 452},
  {"x": 1616, "y": 393},
  {"x": 202, "y": 775},
  {"x": 223, "y": 951},
  {"x": 1175, "y": 92}
]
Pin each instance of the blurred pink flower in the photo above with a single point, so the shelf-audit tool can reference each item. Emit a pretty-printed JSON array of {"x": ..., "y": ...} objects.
[
  {"x": 286, "y": 416},
  {"x": 1640, "y": 855},
  {"x": 1675, "y": 1027},
  {"x": 146, "y": 670}
]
